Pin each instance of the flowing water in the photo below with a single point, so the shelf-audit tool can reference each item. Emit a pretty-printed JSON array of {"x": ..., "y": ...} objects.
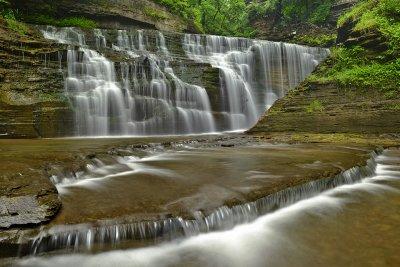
[
  {"x": 140, "y": 92},
  {"x": 354, "y": 223}
]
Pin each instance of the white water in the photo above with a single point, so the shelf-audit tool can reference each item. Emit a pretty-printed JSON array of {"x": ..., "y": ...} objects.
[
  {"x": 264, "y": 242},
  {"x": 254, "y": 73},
  {"x": 142, "y": 95}
]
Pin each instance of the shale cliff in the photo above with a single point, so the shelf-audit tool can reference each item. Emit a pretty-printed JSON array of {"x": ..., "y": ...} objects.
[
  {"x": 107, "y": 14},
  {"x": 31, "y": 86}
]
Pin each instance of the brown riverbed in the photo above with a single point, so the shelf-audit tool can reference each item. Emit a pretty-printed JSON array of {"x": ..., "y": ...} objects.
[
  {"x": 174, "y": 180},
  {"x": 180, "y": 181},
  {"x": 161, "y": 177}
]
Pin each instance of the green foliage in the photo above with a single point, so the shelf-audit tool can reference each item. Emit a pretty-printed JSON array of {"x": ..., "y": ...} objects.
[
  {"x": 4, "y": 4},
  {"x": 313, "y": 11},
  {"x": 392, "y": 106},
  {"x": 154, "y": 13},
  {"x": 66, "y": 22},
  {"x": 375, "y": 75},
  {"x": 12, "y": 22},
  {"x": 322, "y": 40},
  {"x": 354, "y": 67},
  {"x": 315, "y": 106},
  {"x": 358, "y": 67},
  {"x": 223, "y": 17},
  {"x": 355, "y": 12},
  {"x": 259, "y": 9},
  {"x": 293, "y": 11},
  {"x": 17, "y": 26},
  {"x": 379, "y": 16},
  {"x": 321, "y": 13}
]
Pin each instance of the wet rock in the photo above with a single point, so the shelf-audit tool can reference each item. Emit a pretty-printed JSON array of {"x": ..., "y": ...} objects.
[
  {"x": 20, "y": 211},
  {"x": 31, "y": 88}
]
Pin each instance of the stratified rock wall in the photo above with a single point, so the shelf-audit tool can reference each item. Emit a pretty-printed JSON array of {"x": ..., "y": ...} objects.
[
  {"x": 108, "y": 14},
  {"x": 342, "y": 111},
  {"x": 31, "y": 86}
]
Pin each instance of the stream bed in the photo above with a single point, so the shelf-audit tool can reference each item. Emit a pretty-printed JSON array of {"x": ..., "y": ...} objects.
[{"x": 220, "y": 202}]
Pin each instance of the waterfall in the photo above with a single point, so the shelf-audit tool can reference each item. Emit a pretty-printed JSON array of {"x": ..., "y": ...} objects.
[
  {"x": 254, "y": 73},
  {"x": 139, "y": 93},
  {"x": 147, "y": 98}
]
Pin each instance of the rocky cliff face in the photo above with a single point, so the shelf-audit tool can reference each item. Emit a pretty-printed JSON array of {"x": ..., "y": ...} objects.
[
  {"x": 31, "y": 86},
  {"x": 108, "y": 14},
  {"x": 328, "y": 108}
]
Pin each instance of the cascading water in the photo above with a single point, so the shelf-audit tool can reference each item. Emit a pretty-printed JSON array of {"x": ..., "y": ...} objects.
[
  {"x": 303, "y": 214},
  {"x": 85, "y": 236},
  {"x": 148, "y": 99},
  {"x": 254, "y": 73},
  {"x": 140, "y": 94}
]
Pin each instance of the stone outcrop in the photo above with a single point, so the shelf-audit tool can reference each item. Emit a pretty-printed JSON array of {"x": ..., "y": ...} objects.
[
  {"x": 372, "y": 40},
  {"x": 108, "y": 14},
  {"x": 341, "y": 111}
]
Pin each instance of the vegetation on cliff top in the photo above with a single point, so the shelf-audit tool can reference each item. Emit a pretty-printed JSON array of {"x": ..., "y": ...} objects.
[
  {"x": 371, "y": 59},
  {"x": 223, "y": 17},
  {"x": 293, "y": 11},
  {"x": 9, "y": 16},
  {"x": 233, "y": 17}
]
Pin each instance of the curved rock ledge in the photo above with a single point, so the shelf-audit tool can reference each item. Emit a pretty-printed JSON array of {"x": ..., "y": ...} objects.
[{"x": 85, "y": 237}]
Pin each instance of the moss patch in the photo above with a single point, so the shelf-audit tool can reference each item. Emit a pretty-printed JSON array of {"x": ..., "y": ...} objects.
[
  {"x": 323, "y": 40},
  {"x": 80, "y": 22},
  {"x": 315, "y": 106},
  {"x": 155, "y": 14}
]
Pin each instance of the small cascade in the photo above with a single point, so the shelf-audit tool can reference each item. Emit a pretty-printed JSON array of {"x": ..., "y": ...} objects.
[
  {"x": 254, "y": 73},
  {"x": 139, "y": 93},
  {"x": 85, "y": 237}
]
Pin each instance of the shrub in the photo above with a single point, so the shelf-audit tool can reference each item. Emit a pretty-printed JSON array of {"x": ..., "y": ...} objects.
[
  {"x": 12, "y": 22},
  {"x": 78, "y": 22},
  {"x": 321, "y": 13}
]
